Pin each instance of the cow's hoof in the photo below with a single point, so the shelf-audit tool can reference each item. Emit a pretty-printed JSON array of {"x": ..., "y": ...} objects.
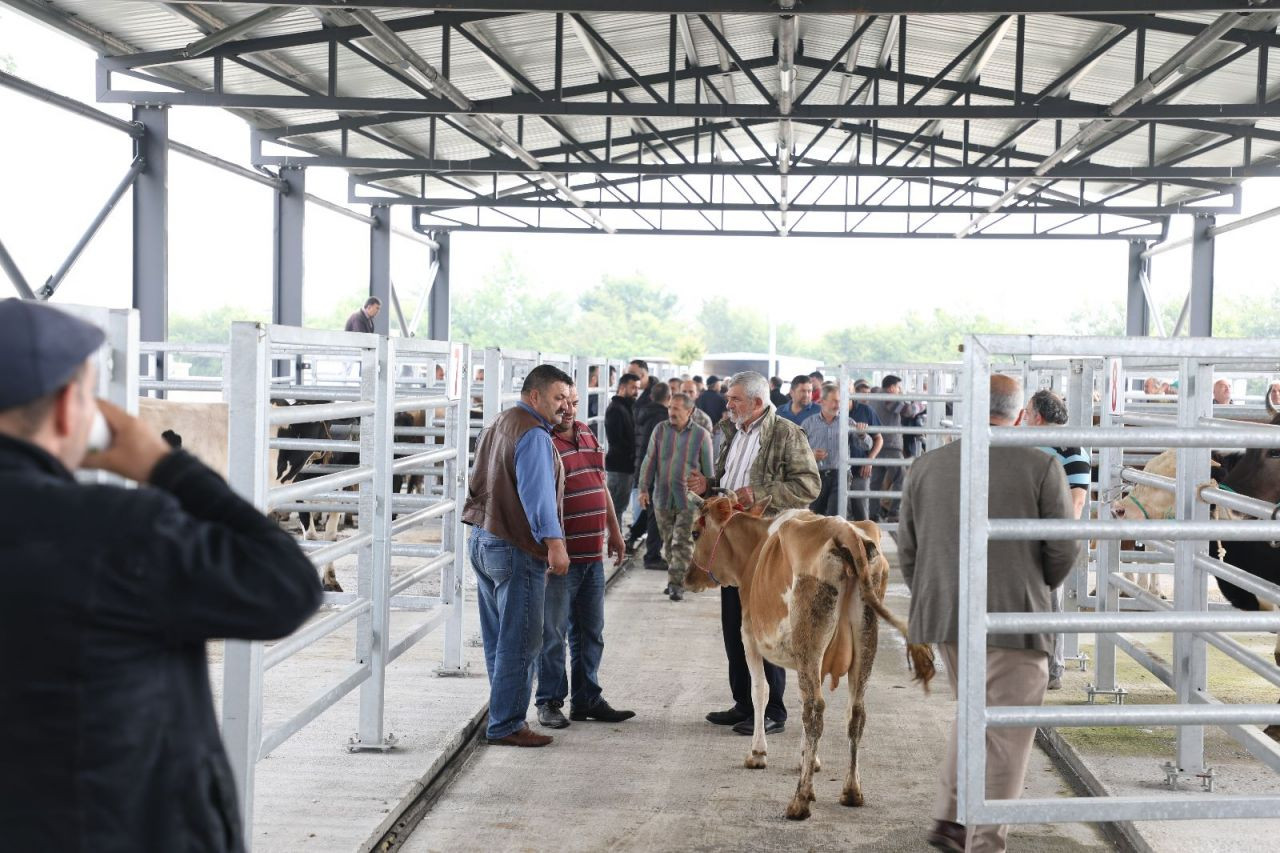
[
  {"x": 755, "y": 761},
  {"x": 851, "y": 798},
  {"x": 1273, "y": 732},
  {"x": 798, "y": 810},
  {"x": 332, "y": 586},
  {"x": 1277, "y": 657},
  {"x": 817, "y": 764}
]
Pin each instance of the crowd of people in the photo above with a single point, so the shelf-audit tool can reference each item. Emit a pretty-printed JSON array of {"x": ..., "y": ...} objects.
[{"x": 116, "y": 590}]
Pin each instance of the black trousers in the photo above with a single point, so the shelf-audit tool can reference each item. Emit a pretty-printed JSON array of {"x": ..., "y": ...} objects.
[
  {"x": 739, "y": 674},
  {"x": 828, "y": 500}
]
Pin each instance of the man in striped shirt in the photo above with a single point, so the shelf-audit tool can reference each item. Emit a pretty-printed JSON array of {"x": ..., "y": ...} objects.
[
  {"x": 574, "y": 602},
  {"x": 1046, "y": 408},
  {"x": 677, "y": 448}
]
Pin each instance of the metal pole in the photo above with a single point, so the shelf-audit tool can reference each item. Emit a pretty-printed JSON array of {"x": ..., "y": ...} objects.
[
  {"x": 1108, "y": 550},
  {"x": 1202, "y": 276},
  {"x": 377, "y": 434},
  {"x": 842, "y": 446},
  {"x": 438, "y": 310},
  {"x": 975, "y": 471},
  {"x": 454, "y": 536},
  {"x": 1190, "y": 585},
  {"x": 15, "y": 275},
  {"x": 290, "y": 217},
  {"x": 51, "y": 286},
  {"x": 493, "y": 384},
  {"x": 582, "y": 378},
  {"x": 151, "y": 226},
  {"x": 380, "y": 265},
  {"x": 247, "y": 464},
  {"x": 1137, "y": 315}
]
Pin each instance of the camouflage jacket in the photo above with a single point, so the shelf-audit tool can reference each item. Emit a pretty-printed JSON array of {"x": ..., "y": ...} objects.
[{"x": 784, "y": 469}]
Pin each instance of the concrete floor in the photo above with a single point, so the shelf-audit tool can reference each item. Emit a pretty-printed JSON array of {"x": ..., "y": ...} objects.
[{"x": 667, "y": 780}]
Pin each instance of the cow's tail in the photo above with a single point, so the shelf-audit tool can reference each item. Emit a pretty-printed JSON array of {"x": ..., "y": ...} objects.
[{"x": 919, "y": 655}]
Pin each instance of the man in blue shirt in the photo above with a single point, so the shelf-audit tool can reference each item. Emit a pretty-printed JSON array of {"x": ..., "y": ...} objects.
[
  {"x": 801, "y": 405},
  {"x": 514, "y": 502}
]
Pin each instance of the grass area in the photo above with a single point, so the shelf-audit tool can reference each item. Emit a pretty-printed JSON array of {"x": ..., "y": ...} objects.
[{"x": 1228, "y": 681}]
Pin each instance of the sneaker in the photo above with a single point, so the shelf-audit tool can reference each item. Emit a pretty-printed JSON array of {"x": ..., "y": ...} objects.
[
  {"x": 551, "y": 717},
  {"x": 602, "y": 712},
  {"x": 947, "y": 835},
  {"x": 1055, "y": 683}
]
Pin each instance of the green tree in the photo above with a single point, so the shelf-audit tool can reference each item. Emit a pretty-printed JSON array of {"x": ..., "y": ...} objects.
[
  {"x": 733, "y": 328},
  {"x": 930, "y": 337},
  {"x": 209, "y": 327},
  {"x": 628, "y": 316},
  {"x": 503, "y": 313}
]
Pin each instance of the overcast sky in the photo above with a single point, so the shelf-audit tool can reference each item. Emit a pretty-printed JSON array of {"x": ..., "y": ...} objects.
[{"x": 57, "y": 169}]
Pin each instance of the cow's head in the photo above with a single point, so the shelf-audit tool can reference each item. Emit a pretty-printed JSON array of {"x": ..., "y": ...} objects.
[
  {"x": 712, "y": 551},
  {"x": 1257, "y": 472}
]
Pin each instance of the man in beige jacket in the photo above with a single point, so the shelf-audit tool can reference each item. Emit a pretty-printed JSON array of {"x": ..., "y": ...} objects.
[{"x": 1021, "y": 575}]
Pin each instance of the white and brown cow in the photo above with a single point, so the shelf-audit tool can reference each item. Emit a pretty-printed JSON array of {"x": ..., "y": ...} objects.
[{"x": 812, "y": 588}]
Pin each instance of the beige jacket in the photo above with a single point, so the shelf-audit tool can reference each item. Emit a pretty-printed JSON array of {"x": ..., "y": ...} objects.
[{"x": 1025, "y": 483}]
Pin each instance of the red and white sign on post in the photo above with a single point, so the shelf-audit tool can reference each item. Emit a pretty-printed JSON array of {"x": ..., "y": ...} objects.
[
  {"x": 454, "y": 387},
  {"x": 1115, "y": 402}
]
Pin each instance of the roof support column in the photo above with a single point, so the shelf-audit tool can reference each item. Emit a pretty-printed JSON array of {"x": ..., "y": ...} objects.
[
  {"x": 1201, "y": 296},
  {"x": 438, "y": 308},
  {"x": 380, "y": 265},
  {"x": 287, "y": 254},
  {"x": 1138, "y": 313},
  {"x": 151, "y": 225}
]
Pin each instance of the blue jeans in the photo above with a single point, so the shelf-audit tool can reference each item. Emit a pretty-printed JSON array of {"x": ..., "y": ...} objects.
[
  {"x": 574, "y": 604},
  {"x": 511, "y": 584}
]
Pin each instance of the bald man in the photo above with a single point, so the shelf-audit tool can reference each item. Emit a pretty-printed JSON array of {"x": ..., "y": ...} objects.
[{"x": 1021, "y": 576}]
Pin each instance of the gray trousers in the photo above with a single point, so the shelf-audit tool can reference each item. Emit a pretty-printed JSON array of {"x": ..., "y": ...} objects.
[
  {"x": 858, "y": 506},
  {"x": 619, "y": 486}
]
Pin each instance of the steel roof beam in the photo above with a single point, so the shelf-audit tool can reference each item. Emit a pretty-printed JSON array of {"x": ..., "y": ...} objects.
[
  {"x": 811, "y": 207},
  {"x": 813, "y": 7},
  {"x": 1150, "y": 86}
]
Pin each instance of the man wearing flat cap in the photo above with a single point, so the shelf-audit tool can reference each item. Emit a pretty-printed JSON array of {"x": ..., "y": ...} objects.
[{"x": 109, "y": 597}]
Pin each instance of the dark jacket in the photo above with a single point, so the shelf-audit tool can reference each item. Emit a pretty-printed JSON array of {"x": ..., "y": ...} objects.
[
  {"x": 359, "y": 322},
  {"x": 778, "y": 398},
  {"x": 493, "y": 499},
  {"x": 648, "y": 416},
  {"x": 713, "y": 403},
  {"x": 620, "y": 429},
  {"x": 109, "y": 597}
]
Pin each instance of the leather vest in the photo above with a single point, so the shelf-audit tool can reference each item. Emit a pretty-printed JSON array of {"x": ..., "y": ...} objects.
[{"x": 493, "y": 502}]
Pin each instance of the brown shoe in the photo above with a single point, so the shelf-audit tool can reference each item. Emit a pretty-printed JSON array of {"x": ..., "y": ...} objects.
[
  {"x": 524, "y": 737},
  {"x": 947, "y": 835}
]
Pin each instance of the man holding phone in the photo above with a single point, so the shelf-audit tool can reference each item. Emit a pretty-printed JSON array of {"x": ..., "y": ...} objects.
[{"x": 110, "y": 595}]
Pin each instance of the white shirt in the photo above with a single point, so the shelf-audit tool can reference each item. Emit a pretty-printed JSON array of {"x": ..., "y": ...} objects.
[{"x": 743, "y": 451}]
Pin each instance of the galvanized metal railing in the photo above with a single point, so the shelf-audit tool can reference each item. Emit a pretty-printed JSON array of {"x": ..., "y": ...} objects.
[
  {"x": 386, "y": 375},
  {"x": 1188, "y": 617}
]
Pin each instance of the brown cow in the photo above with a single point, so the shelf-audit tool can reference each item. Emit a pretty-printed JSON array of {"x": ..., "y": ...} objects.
[{"x": 811, "y": 587}]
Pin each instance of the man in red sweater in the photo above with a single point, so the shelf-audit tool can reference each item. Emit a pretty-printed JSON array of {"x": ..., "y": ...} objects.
[{"x": 574, "y": 603}]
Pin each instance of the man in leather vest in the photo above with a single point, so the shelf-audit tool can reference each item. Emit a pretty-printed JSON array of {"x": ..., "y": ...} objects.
[{"x": 514, "y": 503}]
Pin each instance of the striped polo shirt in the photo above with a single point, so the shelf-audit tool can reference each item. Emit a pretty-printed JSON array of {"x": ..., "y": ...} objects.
[
  {"x": 671, "y": 456},
  {"x": 1075, "y": 463},
  {"x": 586, "y": 508}
]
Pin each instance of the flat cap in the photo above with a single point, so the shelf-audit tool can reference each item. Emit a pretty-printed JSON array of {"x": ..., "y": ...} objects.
[{"x": 41, "y": 348}]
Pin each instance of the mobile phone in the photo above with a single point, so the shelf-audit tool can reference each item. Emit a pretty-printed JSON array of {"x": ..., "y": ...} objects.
[{"x": 99, "y": 434}]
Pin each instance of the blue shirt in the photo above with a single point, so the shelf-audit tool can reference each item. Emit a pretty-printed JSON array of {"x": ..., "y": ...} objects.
[
  {"x": 1075, "y": 463},
  {"x": 784, "y": 411},
  {"x": 824, "y": 436},
  {"x": 536, "y": 479},
  {"x": 862, "y": 414}
]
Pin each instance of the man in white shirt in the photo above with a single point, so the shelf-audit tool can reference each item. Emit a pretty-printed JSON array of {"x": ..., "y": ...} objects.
[{"x": 762, "y": 456}]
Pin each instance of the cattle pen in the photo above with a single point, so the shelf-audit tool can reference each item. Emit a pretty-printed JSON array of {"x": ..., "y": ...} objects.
[{"x": 776, "y": 120}]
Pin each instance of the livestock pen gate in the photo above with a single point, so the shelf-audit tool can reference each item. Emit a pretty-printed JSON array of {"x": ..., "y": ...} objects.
[
  {"x": 382, "y": 391},
  {"x": 1188, "y": 618}
]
